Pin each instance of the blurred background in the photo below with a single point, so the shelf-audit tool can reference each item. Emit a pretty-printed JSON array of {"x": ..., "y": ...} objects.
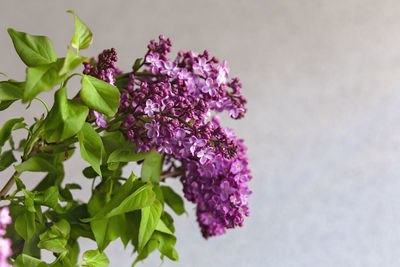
[{"x": 322, "y": 80}]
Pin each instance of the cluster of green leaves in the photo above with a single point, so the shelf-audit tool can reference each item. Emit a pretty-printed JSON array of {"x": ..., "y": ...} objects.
[{"x": 47, "y": 217}]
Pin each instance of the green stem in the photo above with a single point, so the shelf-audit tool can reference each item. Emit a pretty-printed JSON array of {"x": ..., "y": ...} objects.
[
  {"x": 94, "y": 179},
  {"x": 44, "y": 103},
  {"x": 29, "y": 131},
  {"x": 148, "y": 74},
  {"x": 69, "y": 77}
]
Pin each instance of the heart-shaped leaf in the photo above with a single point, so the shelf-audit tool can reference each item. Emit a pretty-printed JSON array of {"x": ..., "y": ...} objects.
[
  {"x": 33, "y": 50},
  {"x": 42, "y": 78},
  {"x": 99, "y": 95},
  {"x": 91, "y": 146},
  {"x": 11, "y": 90},
  {"x": 83, "y": 37},
  {"x": 65, "y": 119}
]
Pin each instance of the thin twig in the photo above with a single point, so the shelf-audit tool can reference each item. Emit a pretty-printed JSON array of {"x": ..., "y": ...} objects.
[
  {"x": 8, "y": 185},
  {"x": 174, "y": 173}
]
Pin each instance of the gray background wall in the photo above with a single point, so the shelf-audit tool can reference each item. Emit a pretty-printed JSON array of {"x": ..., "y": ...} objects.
[{"x": 323, "y": 128}]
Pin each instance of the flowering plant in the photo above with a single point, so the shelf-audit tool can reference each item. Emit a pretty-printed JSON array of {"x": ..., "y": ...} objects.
[{"x": 161, "y": 114}]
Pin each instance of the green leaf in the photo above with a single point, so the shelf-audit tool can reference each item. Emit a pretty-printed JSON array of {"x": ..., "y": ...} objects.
[
  {"x": 65, "y": 119},
  {"x": 73, "y": 186},
  {"x": 19, "y": 183},
  {"x": 117, "y": 227},
  {"x": 24, "y": 260},
  {"x": 161, "y": 238},
  {"x": 132, "y": 232},
  {"x": 42, "y": 78},
  {"x": 166, "y": 245},
  {"x": 33, "y": 50},
  {"x": 162, "y": 227},
  {"x": 88, "y": 172},
  {"x": 91, "y": 146},
  {"x": 11, "y": 90},
  {"x": 151, "y": 168},
  {"x": 36, "y": 129},
  {"x": 5, "y": 104},
  {"x": 99, "y": 95},
  {"x": 66, "y": 192},
  {"x": 137, "y": 64},
  {"x": 57, "y": 245},
  {"x": 173, "y": 200},
  {"x": 142, "y": 197},
  {"x": 100, "y": 232},
  {"x": 37, "y": 163},
  {"x": 25, "y": 225},
  {"x": 113, "y": 141},
  {"x": 167, "y": 219},
  {"x": 29, "y": 201},
  {"x": 124, "y": 155},
  {"x": 62, "y": 227},
  {"x": 150, "y": 247},
  {"x": 83, "y": 37},
  {"x": 73, "y": 251},
  {"x": 30, "y": 246},
  {"x": 5, "y": 131},
  {"x": 125, "y": 200},
  {"x": 6, "y": 159},
  {"x": 149, "y": 220},
  {"x": 72, "y": 61},
  {"x": 99, "y": 227},
  {"x": 48, "y": 198},
  {"x": 56, "y": 238},
  {"x": 109, "y": 229},
  {"x": 93, "y": 258}
]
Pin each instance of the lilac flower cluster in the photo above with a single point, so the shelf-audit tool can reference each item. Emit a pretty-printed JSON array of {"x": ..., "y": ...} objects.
[
  {"x": 219, "y": 188},
  {"x": 5, "y": 243},
  {"x": 170, "y": 106},
  {"x": 104, "y": 69}
]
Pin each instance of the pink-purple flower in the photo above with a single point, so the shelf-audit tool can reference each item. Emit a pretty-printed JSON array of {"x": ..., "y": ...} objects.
[
  {"x": 152, "y": 129},
  {"x": 208, "y": 87},
  {"x": 150, "y": 108},
  {"x": 99, "y": 119},
  {"x": 223, "y": 73},
  {"x": 205, "y": 155},
  {"x": 5, "y": 243},
  {"x": 169, "y": 69},
  {"x": 154, "y": 61},
  {"x": 202, "y": 66}
]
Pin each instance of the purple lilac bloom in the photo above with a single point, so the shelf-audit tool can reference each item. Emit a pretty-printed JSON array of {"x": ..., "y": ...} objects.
[
  {"x": 178, "y": 96},
  {"x": 202, "y": 66},
  {"x": 223, "y": 73},
  {"x": 205, "y": 155},
  {"x": 154, "y": 61},
  {"x": 196, "y": 143},
  {"x": 170, "y": 69},
  {"x": 208, "y": 87},
  {"x": 99, "y": 119},
  {"x": 152, "y": 129},
  {"x": 5, "y": 243},
  {"x": 150, "y": 108},
  {"x": 5, "y": 218},
  {"x": 219, "y": 193}
]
